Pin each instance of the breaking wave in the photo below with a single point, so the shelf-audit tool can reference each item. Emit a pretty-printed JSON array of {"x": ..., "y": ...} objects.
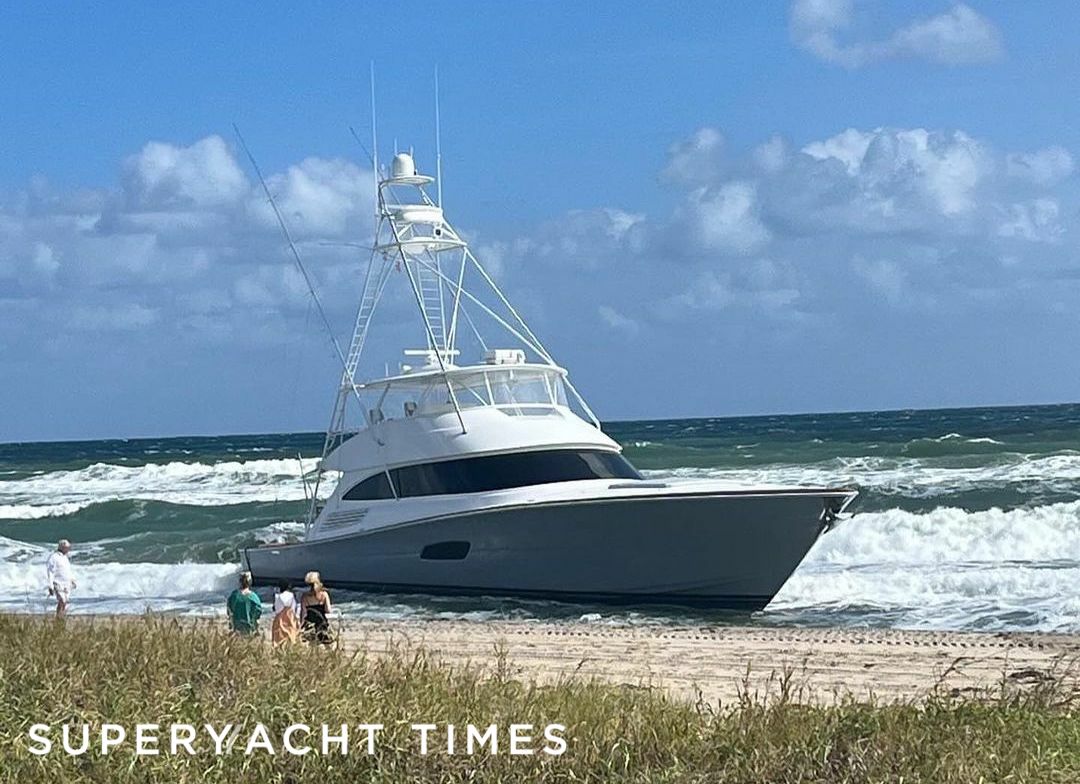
[
  {"x": 945, "y": 569},
  {"x": 63, "y": 493},
  {"x": 111, "y": 587},
  {"x": 968, "y": 521},
  {"x": 912, "y": 478},
  {"x": 59, "y": 493}
]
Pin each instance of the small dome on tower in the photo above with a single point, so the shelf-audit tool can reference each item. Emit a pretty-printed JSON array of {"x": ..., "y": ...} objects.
[{"x": 403, "y": 166}]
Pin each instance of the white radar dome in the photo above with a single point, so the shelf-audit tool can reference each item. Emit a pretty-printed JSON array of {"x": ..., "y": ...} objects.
[{"x": 403, "y": 166}]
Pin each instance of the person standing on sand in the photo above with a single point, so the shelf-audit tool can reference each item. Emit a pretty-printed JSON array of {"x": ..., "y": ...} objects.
[
  {"x": 244, "y": 607},
  {"x": 315, "y": 611},
  {"x": 59, "y": 578},
  {"x": 286, "y": 625}
]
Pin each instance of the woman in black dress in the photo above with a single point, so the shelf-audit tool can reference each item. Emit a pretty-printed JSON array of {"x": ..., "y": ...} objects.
[{"x": 315, "y": 611}]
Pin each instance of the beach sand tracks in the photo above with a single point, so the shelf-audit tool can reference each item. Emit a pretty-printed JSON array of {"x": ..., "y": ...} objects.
[{"x": 715, "y": 665}]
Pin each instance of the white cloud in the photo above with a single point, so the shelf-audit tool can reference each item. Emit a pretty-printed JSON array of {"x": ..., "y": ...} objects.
[
  {"x": 269, "y": 285},
  {"x": 771, "y": 156},
  {"x": 710, "y": 291},
  {"x": 44, "y": 259},
  {"x": 583, "y": 239},
  {"x": 959, "y": 36},
  {"x": 916, "y": 216},
  {"x": 697, "y": 159},
  {"x": 1042, "y": 167},
  {"x": 782, "y": 229},
  {"x": 884, "y": 180},
  {"x": 725, "y": 218},
  {"x": 1034, "y": 221},
  {"x": 616, "y": 320},
  {"x": 183, "y": 221},
  {"x": 849, "y": 147},
  {"x": 318, "y": 197},
  {"x": 204, "y": 174}
]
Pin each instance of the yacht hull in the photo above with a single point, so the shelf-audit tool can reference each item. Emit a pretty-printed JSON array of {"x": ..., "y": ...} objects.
[{"x": 728, "y": 549}]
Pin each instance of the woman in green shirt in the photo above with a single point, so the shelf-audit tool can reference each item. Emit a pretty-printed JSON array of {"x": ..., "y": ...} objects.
[{"x": 245, "y": 607}]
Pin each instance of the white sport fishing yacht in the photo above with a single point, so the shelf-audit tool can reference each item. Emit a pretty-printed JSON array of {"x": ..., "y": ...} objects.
[{"x": 491, "y": 476}]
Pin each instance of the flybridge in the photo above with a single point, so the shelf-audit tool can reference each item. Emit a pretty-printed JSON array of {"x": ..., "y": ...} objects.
[
  {"x": 454, "y": 295},
  {"x": 460, "y": 309},
  {"x": 462, "y": 312}
]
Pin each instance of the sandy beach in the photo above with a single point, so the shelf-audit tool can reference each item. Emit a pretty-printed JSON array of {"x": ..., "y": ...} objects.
[{"x": 714, "y": 664}]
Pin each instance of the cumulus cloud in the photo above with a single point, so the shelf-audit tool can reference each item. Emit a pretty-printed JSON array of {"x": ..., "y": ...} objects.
[
  {"x": 906, "y": 217},
  {"x": 709, "y": 291},
  {"x": 724, "y": 218},
  {"x": 185, "y": 232},
  {"x": 959, "y": 36},
  {"x": 814, "y": 241},
  {"x": 616, "y": 320},
  {"x": 163, "y": 175},
  {"x": 861, "y": 220},
  {"x": 1042, "y": 167},
  {"x": 318, "y": 198},
  {"x": 697, "y": 159},
  {"x": 1034, "y": 221},
  {"x": 582, "y": 239},
  {"x": 771, "y": 156},
  {"x": 893, "y": 172}
]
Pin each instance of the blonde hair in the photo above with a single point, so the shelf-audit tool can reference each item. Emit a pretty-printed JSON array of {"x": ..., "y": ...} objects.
[
  {"x": 245, "y": 579},
  {"x": 313, "y": 579}
]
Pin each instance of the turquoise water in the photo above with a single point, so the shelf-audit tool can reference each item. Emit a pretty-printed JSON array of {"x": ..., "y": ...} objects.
[{"x": 968, "y": 518}]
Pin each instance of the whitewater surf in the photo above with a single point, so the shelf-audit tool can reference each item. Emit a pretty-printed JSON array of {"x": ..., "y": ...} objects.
[{"x": 967, "y": 519}]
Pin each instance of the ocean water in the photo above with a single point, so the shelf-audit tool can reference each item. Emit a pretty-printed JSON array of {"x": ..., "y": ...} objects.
[{"x": 967, "y": 519}]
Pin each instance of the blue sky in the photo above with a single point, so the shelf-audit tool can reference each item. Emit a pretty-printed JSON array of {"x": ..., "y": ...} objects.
[{"x": 704, "y": 209}]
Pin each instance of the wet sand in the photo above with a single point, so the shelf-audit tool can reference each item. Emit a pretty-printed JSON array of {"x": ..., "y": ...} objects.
[{"x": 714, "y": 664}]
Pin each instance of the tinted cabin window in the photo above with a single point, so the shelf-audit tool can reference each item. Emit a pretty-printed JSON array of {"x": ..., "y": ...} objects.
[
  {"x": 500, "y": 472},
  {"x": 371, "y": 489}
]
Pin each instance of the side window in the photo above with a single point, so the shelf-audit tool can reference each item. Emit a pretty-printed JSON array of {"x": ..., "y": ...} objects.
[
  {"x": 373, "y": 488},
  {"x": 499, "y": 472}
]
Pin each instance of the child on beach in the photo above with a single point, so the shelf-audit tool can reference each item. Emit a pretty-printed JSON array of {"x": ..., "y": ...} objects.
[
  {"x": 244, "y": 607},
  {"x": 315, "y": 611},
  {"x": 286, "y": 625}
]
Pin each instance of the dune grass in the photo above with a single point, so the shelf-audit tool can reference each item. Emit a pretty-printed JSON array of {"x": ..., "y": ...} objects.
[{"x": 163, "y": 672}]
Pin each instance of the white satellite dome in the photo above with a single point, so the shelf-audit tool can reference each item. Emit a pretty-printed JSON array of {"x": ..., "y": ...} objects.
[{"x": 403, "y": 166}]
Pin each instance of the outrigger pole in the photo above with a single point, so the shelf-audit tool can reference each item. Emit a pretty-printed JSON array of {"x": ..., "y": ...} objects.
[
  {"x": 312, "y": 500},
  {"x": 292, "y": 247}
]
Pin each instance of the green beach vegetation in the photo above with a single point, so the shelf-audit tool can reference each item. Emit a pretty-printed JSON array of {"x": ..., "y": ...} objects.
[{"x": 165, "y": 672}]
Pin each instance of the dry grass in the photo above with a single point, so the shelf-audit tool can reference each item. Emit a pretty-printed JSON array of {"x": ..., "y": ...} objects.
[{"x": 163, "y": 672}]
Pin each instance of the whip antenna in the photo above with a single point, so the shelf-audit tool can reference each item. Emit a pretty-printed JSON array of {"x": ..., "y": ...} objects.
[
  {"x": 438, "y": 141},
  {"x": 375, "y": 153}
]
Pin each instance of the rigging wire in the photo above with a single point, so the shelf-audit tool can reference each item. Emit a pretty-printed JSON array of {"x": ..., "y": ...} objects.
[
  {"x": 363, "y": 146},
  {"x": 295, "y": 253}
]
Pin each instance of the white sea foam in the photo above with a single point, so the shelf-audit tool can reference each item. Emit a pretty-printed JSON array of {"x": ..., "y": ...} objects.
[
  {"x": 61, "y": 493},
  {"x": 911, "y": 477},
  {"x": 109, "y": 587},
  {"x": 234, "y": 482},
  {"x": 947, "y": 568},
  {"x": 39, "y": 511},
  {"x": 274, "y": 532}
]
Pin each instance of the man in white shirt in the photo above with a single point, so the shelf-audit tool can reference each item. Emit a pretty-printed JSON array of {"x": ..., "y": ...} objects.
[{"x": 59, "y": 578}]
